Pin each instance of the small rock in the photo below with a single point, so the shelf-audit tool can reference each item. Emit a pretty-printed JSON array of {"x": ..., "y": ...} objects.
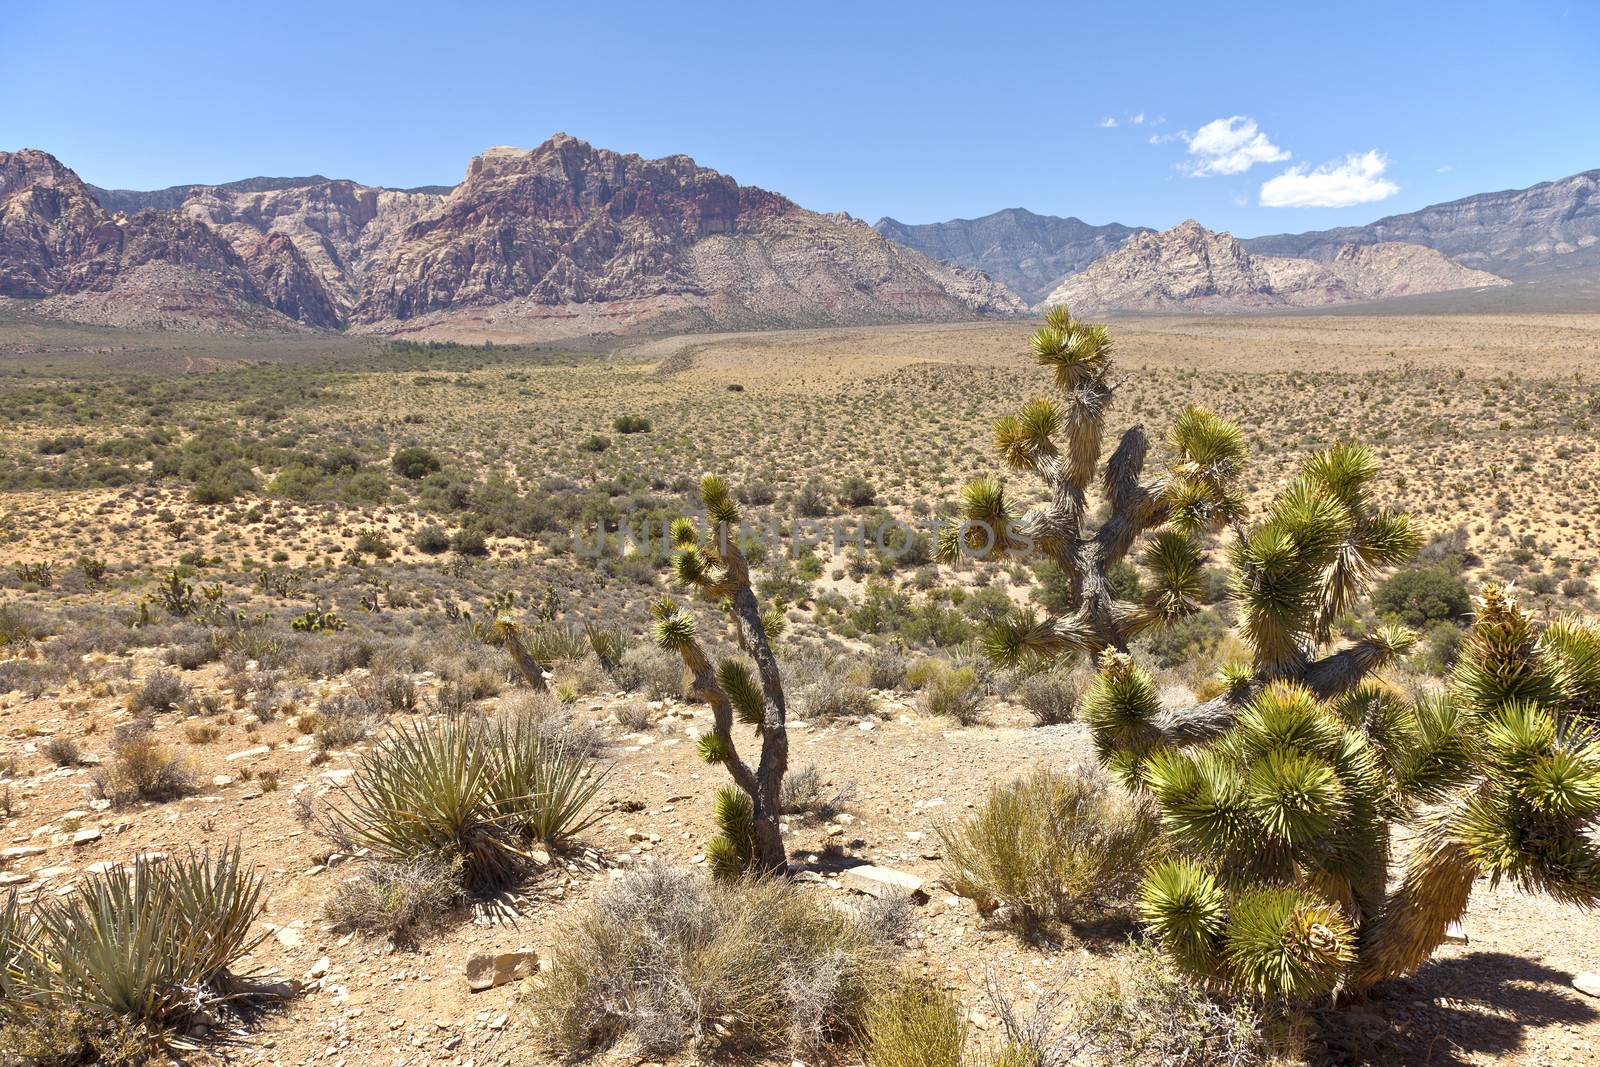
[
  {"x": 883, "y": 882},
  {"x": 486, "y": 971},
  {"x": 1587, "y": 983},
  {"x": 87, "y": 835}
]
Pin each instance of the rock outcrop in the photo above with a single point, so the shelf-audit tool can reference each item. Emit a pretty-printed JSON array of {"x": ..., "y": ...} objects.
[
  {"x": 1028, "y": 253},
  {"x": 1191, "y": 268}
]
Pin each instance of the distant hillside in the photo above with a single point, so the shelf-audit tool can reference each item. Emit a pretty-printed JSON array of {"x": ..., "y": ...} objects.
[
  {"x": 1548, "y": 233},
  {"x": 1191, "y": 268},
  {"x": 1028, "y": 253}
]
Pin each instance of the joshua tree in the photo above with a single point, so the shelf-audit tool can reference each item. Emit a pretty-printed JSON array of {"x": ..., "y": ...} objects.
[
  {"x": 716, "y": 567},
  {"x": 1278, "y": 797},
  {"x": 1294, "y": 573},
  {"x": 1278, "y": 829}
]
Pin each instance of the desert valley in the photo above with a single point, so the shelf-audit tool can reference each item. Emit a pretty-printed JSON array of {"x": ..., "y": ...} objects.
[{"x": 602, "y": 611}]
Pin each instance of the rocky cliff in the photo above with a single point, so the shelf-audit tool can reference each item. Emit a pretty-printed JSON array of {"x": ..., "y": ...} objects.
[
  {"x": 563, "y": 239},
  {"x": 1190, "y": 268},
  {"x": 1028, "y": 253}
]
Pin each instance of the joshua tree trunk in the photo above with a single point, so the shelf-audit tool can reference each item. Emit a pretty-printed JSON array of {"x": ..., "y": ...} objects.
[{"x": 717, "y": 568}]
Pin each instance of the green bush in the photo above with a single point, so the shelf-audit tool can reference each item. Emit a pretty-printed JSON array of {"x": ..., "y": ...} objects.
[
  {"x": 414, "y": 463},
  {"x": 1423, "y": 595},
  {"x": 431, "y": 540},
  {"x": 856, "y": 491},
  {"x": 631, "y": 424},
  {"x": 956, "y": 693}
]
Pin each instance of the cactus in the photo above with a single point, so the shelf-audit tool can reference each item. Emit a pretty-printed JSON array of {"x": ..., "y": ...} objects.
[{"x": 715, "y": 566}]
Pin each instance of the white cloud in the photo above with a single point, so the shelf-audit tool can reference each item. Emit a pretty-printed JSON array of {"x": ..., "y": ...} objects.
[
  {"x": 1108, "y": 123},
  {"x": 1138, "y": 120},
  {"x": 1358, "y": 180},
  {"x": 1231, "y": 146},
  {"x": 1445, "y": 168},
  {"x": 1167, "y": 138}
]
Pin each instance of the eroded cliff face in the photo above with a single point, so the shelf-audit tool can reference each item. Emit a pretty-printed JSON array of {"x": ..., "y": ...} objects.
[
  {"x": 1191, "y": 268},
  {"x": 565, "y": 237}
]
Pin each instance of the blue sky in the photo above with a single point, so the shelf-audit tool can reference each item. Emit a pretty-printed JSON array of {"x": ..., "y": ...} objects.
[{"x": 1257, "y": 118}]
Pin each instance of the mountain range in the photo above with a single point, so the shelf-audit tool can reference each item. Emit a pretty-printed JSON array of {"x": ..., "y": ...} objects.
[
  {"x": 1545, "y": 239},
  {"x": 562, "y": 240},
  {"x": 567, "y": 239}
]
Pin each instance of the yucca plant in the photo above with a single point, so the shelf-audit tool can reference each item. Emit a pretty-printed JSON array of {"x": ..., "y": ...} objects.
[
  {"x": 149, "y": 945},
  {"x": 471, "y": 795},
  {"x": 1281, "y": 826},
  {"x": 715, "y": 566}
]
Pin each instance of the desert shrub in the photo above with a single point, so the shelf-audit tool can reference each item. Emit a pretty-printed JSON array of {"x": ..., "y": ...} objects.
[
  {"x": 143, "y": 768},
  {"x": 62, "y": 751},
  {"x": 161, "y": 691},
  {"x": 822, "y": 686},
  {"x": 633, "y": 715},
  {"x": 20, "y": 624},
  {"x": 886, "y": 667},
  {"x": 806, "y": 791},
  {"x": 1440, "y": 648},
  {"x": 397, "y": 900},
  {"x": 346, "y": 719},
  {"x": 914, "y": 1024},
  {"x": 192, "y": 655},
  {"x": 553, "y": 721},
  {"x": 856, "y": 491},
  {"x": 1144, "y": 1011},
  {"x": 1051, "y": 846},
  {"x": 667, "y": 960},
  {"x": 651, "y": 670},
  {"x": 1423, "y": 595},
  {"x": 431, "y": 540},
  {"x": 594, "y": 443},
  {"x": 414, "y": 463},
  {"x": 1200, "y": 634},
  {"x": 115, "y": 971},
  {"x": 811, "y": 501},
  {"x": 956, "y": 693},
  {"x": 469, "y": 542},
  {"x": 1052, "y": 696},
  {"x": 630, "y": 424},
  {"x": 471, "y": 795}
]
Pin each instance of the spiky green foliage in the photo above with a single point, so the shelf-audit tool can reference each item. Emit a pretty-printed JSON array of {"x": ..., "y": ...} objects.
[
  {"x": 475, "y": 796},
  {"x": 136, "y": 952},
  {"x": 714, "y": 565},
  {"x": 1058, "y": 440},
  {"x": 1281, "y": 825}
]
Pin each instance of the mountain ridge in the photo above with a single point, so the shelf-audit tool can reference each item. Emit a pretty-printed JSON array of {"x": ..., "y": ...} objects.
[{"x": 564, "y": 238}]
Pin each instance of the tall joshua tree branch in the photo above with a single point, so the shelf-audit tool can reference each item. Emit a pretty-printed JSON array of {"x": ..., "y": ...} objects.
[{"x": 716, "y": 567}]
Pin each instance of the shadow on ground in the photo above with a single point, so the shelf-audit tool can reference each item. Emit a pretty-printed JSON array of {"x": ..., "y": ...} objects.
[{"x": 1453, "y": 1011}]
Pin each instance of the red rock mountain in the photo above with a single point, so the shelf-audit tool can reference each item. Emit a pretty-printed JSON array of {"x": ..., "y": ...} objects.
[{"x": 565, "y": 239}]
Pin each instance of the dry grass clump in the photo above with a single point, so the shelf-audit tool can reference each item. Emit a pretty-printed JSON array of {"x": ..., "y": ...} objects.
[
  {"x": 143, "y": 768},
  {"x": 914, "y": 1024},
  {"x": 955, "y": 693},
  {"x": 1051, "y": 846},
  {"x": 664, "y": 960},
  {"x": 807, "y": 791},
  {"x": 108, "y": 974},
  {"x": 397, "y": 900},
  {"x": 823, "y": 688}
]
